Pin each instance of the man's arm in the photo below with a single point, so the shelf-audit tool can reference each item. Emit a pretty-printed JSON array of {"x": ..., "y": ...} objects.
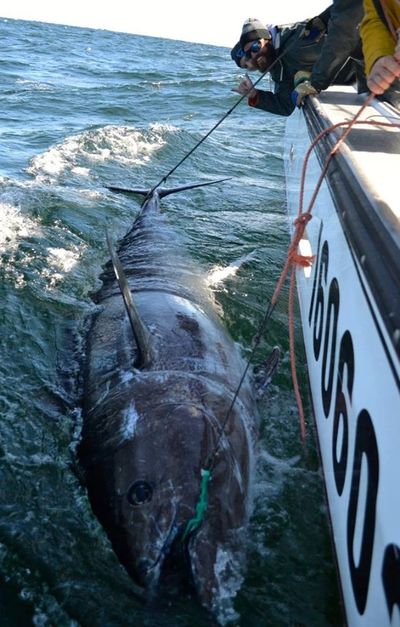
[
  {"x": 342, "y": 38},
  {"x": 376, "y": 39},
  {"x": 279, "y": 103}
]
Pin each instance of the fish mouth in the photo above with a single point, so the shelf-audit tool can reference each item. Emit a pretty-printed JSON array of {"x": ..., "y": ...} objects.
[
  {"x": 193, "y": 567},
  {"x": 170, "y": 573},
  {"x": 176, "y": 571}
]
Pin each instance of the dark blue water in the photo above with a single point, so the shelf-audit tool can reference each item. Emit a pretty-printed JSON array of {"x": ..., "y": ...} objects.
[{"x": 82, "y": 109}]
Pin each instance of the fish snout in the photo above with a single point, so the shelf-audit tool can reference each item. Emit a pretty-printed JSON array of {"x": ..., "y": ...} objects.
[
  {"x": 143, "y": 568},
  {"x": 147, "y": 574}
]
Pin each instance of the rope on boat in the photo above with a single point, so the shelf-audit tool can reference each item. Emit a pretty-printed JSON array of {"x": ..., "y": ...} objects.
[
  {"x": 294, "y": 259},
  {"x": 303, "y": 217}
]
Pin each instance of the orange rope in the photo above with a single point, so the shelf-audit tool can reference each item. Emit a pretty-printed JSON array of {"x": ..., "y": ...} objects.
[
  {"x": 293, "y": 258},
  {"x": 292, "y": 350}
]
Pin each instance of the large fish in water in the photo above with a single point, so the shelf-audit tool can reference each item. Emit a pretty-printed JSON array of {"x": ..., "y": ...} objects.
[{"x": 160, "y": 378}]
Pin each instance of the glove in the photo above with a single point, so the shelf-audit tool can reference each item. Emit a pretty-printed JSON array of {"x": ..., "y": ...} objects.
[
  {"x": 300, "y": 77},
  {"x": 314, "y": 29},
  {"x": 303, "y": 90}
]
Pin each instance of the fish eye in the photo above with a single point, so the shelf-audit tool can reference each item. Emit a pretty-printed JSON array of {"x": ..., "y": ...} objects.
[{"x": 139, "y": 493}]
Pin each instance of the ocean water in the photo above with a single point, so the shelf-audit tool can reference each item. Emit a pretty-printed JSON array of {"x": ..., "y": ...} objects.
[{"x": 82, "y": 109}]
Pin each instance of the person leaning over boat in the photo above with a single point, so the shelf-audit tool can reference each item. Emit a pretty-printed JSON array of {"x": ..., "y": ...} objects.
[
  {"x": 261, "y": 46},
  {"x": 239, "y": 57},
  {"x": 341, "y": 46},
  {"x": 380, "y": 34}
]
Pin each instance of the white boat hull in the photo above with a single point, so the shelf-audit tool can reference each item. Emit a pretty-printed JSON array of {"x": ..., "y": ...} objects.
[{"x": 353, "y": 363}]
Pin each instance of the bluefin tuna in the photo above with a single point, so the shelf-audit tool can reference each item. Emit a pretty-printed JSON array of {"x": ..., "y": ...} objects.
[{"x": 160, "y": 406}]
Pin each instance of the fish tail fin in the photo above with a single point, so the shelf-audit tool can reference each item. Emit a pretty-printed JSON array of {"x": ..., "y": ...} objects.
[
  {"x": 161, "y": 191},
  {"x": 173, "y": 190},
  {"x": 124, "y": 190}
]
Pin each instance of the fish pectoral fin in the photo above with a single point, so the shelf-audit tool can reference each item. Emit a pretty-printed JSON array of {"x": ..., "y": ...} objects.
[
  {"x": 139, "y": 329},
  {"x": 265, "y": 371}
]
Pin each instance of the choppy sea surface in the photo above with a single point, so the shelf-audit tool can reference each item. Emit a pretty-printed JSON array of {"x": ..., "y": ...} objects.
[{"x": 81, "y": 110}]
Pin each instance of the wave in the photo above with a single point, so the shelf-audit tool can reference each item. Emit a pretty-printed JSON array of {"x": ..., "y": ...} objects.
[{"x": 79, "y": 154}]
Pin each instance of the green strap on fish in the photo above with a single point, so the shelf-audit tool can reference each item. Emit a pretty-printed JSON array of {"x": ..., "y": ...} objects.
[{"x": 201, "y": 506}]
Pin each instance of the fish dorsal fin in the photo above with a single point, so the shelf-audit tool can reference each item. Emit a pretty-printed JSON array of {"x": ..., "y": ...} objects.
[{"x": 140, "y": 331}]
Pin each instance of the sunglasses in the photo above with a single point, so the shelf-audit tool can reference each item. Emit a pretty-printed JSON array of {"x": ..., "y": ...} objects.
[{"x": 254, "y": 48}]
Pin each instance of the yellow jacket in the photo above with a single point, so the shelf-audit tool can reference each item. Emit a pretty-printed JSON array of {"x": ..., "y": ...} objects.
[{"x": 377, "y": 40}]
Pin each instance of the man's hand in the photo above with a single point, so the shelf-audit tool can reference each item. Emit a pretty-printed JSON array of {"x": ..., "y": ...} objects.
[
  {"x": 300, "y": 93},
  {"x": 302, "y": 88},
  {"x": 383, "y": 73},
  {"x": 245, "y": 87}
]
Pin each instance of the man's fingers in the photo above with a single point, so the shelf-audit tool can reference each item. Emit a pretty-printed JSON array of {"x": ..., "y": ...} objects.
[
  {"x": 374, "y": 87},
  {"x": 391, "y": 65},
  {"x": 383, "y": 73},
  {"x": 377, "y": 84}
]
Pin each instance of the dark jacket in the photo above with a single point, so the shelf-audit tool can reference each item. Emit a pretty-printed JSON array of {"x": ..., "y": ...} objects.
[
  {"x": 342, "y": 41},
  {"x": 298, "y": 54}
]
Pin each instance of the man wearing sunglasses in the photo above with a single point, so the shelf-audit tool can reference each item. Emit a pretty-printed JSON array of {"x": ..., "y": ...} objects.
[
  {"x": 242, "y": 59},
  {"x": 289, "y": 49}
]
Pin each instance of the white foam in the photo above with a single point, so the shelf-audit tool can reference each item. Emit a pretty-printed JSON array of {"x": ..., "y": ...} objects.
[
  {"x": 77, "y": 153},
  {"x": 63, "y": 259},
  {"x": 228, "y": 575},
  {"x": 14, "y": 225},
  {"x": 220, "y": 273},
  {"x": 31, "y": 85},
  {"x": 160, "y": 129},
  {"x": 55, "y": 160},
  {"x": 81, "y": 171},
  {"x": 60, "y": 262}
]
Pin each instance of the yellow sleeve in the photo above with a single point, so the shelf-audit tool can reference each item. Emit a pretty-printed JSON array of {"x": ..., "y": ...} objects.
[{"x": 376, "y": 39}]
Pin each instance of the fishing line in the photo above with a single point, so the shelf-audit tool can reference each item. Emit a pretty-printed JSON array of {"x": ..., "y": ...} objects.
[
  {"x": 300, "y": 223},
  {"x": 206, "y": 472},
  {"x": 195, "y": 522},
  {"x": 255, "y": 343},
  {"x": 269, "y": 68}
]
